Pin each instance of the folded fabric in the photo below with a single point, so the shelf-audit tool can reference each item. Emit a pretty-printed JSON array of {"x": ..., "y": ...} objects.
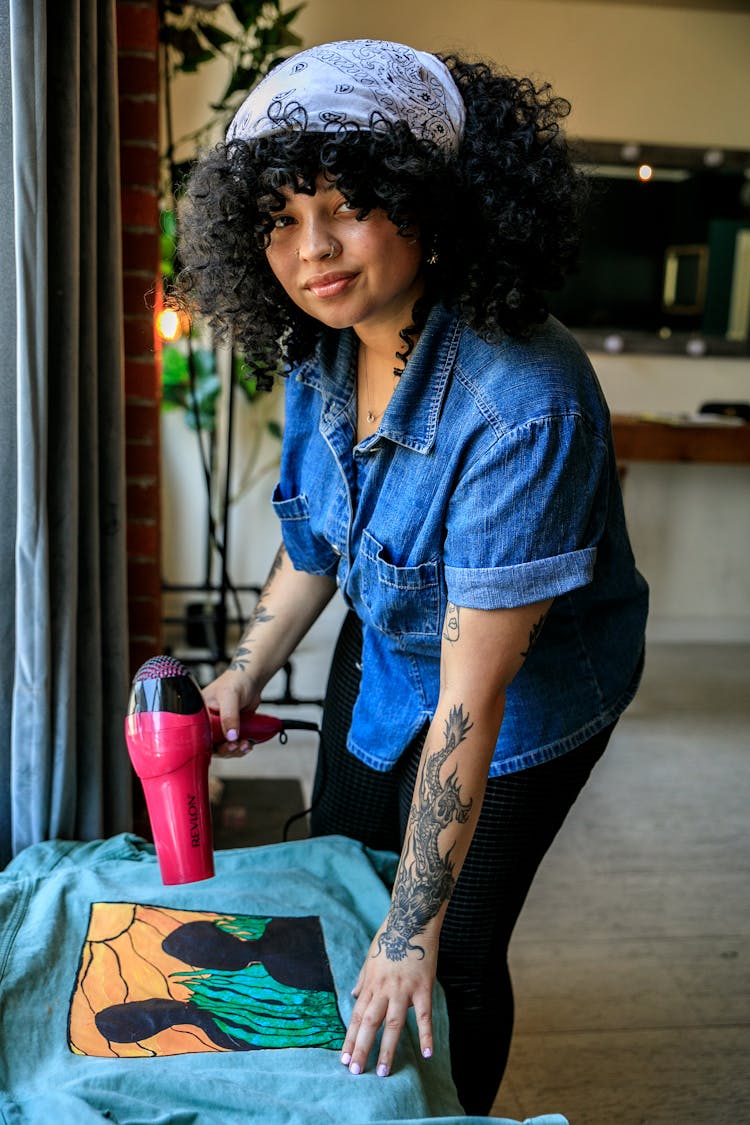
[{"x": 219, "y": 1002}]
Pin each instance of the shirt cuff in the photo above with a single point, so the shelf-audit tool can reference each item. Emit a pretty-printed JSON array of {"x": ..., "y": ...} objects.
[{"x": 506, "y": 587}]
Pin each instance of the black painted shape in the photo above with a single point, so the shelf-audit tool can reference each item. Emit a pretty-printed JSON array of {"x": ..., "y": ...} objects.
[
  {"x": 140, "y": 1019},
  {"x": 291, "y": 950}
]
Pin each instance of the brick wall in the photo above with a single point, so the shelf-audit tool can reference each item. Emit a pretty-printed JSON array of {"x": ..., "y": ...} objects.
[{"x": 138, "y": 64}]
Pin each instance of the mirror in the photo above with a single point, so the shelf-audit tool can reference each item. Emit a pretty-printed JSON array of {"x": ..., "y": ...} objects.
[{"x": 665, "y": 258}]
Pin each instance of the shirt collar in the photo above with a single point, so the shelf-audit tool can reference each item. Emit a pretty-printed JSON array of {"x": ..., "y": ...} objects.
[{"x": 412, "y": 416}]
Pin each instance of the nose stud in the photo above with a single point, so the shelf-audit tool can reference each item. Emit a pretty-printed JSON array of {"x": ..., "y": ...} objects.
[{"x": 331, "y": 250}]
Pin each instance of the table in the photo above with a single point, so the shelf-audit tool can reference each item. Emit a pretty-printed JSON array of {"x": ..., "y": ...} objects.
[{"x": 639, "y": 438}]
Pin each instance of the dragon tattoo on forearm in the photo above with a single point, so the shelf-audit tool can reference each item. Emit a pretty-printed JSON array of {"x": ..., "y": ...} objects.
[{"x": 425, "y": 878}]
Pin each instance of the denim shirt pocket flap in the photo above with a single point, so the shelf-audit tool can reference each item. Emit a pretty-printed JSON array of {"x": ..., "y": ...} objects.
[
  {"x": 401, "y": 599},
  {"x": 307, "y": 550}
]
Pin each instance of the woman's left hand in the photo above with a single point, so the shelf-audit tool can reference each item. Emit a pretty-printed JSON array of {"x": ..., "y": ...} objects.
[{"x": 385, "y": 990}]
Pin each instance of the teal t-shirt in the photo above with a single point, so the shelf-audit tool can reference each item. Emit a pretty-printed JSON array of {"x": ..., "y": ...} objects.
[{"x": 213, "y": 1003}]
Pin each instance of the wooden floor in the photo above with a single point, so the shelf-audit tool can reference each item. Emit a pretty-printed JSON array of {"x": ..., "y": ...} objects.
[{"x": 631, "y": 961}]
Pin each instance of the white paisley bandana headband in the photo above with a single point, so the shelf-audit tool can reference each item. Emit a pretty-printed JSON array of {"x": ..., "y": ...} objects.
[{"x": 355, "y": 84}]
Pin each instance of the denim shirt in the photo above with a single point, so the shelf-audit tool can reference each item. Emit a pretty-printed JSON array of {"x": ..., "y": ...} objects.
[{"x": 490, "y": 482}]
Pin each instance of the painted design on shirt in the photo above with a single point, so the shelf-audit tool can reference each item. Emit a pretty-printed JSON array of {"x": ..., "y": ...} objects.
[{"x": 156, "y": 981}]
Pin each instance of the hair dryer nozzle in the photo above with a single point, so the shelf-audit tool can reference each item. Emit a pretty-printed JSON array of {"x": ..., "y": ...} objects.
[{"x": 164, "y": 684}]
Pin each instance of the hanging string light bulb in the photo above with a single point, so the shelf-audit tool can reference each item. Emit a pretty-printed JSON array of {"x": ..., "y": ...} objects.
[
  {"x": 172, "y": 323},
  {"x": 168, "y": 325}
]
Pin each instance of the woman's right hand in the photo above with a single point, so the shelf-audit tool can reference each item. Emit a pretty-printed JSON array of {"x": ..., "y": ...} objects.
[
  {"x": 231, "y": 692},
  {"x": 287, "y": 606}
]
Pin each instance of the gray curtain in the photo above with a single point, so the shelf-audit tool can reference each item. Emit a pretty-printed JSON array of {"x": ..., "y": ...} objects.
[{"x": 64, "y": 771}]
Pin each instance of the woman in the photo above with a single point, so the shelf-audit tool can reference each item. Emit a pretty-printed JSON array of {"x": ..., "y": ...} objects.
[{"x": 384, "y": 222}]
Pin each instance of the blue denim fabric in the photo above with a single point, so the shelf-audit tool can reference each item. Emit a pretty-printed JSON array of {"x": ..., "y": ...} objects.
[{"x": 491, "y": 482}]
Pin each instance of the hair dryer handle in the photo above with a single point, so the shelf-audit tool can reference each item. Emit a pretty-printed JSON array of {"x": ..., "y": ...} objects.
[{"x": 253, "y": 727}]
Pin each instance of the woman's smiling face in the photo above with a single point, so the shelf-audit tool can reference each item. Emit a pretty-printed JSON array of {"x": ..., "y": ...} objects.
[{"x": 344, "y": 271}]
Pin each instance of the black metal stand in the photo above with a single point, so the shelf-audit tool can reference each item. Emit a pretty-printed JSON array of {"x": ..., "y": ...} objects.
[
  {"x": 206, "y": 623},
  {"x": 205, "y": 637}
]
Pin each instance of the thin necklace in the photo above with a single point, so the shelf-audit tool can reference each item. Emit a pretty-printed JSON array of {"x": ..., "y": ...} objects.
[{"x": 372, "y": 415}]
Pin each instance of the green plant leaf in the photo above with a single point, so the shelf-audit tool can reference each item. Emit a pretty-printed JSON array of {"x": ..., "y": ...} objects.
[
  {"x": 249, "y": 384},
  {"x": 247, "y": 12},
  {"x": 187, "y": 44},
  {"x": 287, "y": 17},
  {"x": 168, "y": 222},
  {"x": 269, "y": 37},
  {"x": 174, "y": 399},
  {"x": 207, "y": 391},
  {"x": 190, "y": 65},
  {"x": 215, "y": 36},
  {"x": 207, "y": 420},
  {"x": 243, "y": 78},
  {"x": 287, "y": 38},
  {"x": 167, "y": 245},
  {"x": 245, "y": 379},
  {"x": 204, "y": 361},
  {"x": 181, "y": 39},
  {"x": 174, "y": 367}
]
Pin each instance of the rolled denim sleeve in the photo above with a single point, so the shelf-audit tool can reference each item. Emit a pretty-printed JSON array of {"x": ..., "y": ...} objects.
[{"x": 525, "y": 519}]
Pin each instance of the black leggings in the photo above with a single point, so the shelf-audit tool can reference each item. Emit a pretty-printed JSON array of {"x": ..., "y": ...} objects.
[{"x": 521, "y": 814}]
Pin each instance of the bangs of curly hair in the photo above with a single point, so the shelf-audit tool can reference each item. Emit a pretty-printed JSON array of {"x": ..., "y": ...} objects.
[{"x": 499, "y": 221}]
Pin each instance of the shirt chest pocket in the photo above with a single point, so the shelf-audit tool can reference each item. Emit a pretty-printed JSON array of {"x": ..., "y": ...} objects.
[{"x": 400, "y": 600}]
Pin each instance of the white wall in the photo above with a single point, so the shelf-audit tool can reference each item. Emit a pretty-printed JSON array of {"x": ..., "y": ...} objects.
[
  {"x": 636, "y": 71},
  {"x": 689, "y": 524},
  {"x": 632, "y": 72}
]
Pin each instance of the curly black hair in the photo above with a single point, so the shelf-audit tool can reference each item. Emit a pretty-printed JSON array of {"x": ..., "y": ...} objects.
[{"x": 499, "y": 220}]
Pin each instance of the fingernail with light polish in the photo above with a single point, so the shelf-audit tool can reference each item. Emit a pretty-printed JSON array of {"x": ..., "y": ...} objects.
[
  {"x": 355, "y": 1068},
  {"x": 382, "y": 1070},
  {"x": 427, "y": 1053},
  {"x": 231, "y": 736},
  {"x": 346, "y": 1058}
]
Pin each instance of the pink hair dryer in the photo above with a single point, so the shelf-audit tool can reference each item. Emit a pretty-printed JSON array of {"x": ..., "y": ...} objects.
[{"x": 170, "y": 736}]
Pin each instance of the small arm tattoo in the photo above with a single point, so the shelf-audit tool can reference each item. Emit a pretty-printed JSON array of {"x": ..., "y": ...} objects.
[
  {"x": 241, "y": 658},
  {"x": 451, "y": 626},
  {"x": 276, "y": 564},
  {"x": 425, "y": 877},
  {"x": 260, "y": 612},
  {"x": 534, "y": 634}
]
